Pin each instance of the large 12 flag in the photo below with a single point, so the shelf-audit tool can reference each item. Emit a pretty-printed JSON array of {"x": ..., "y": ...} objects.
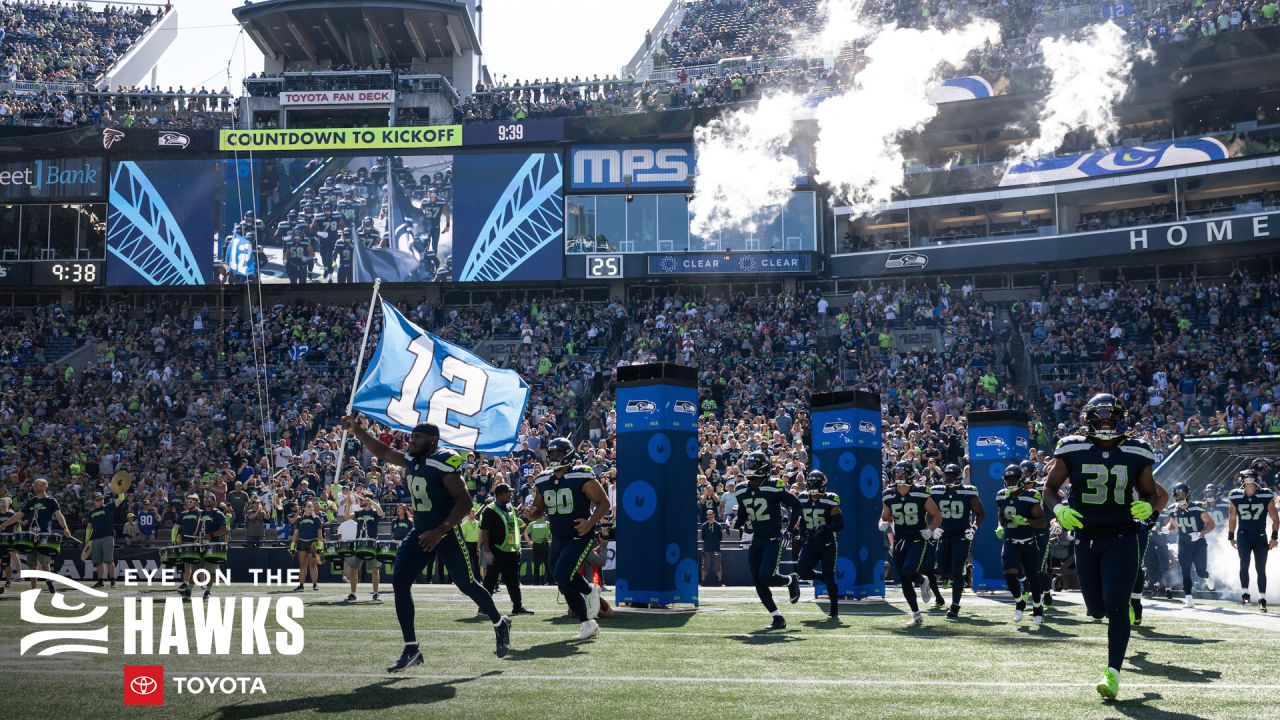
[{"x": 416, "y": 377}]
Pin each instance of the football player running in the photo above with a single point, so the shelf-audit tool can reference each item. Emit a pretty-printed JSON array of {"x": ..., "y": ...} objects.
[
  {"x": 1111, "y": 487},
  {"x": 760, "y": 504},
  {"x": 1251, "y": 505},
  {"x": 821, "y": 517},
  {"x": 962, "y": 513},
  {"x": 915, "y": 520}
]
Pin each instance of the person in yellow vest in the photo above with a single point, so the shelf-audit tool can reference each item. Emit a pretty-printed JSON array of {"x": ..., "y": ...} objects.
[
  {"x": 500, "y": 547},
  {"x": 471, "y": 534},
  {"x": 538, "y": 534}
]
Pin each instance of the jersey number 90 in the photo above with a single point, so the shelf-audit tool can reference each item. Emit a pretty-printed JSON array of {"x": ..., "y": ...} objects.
[{"x": 558, "y": 502}]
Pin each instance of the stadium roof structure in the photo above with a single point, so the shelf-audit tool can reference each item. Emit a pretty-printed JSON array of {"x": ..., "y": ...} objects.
[
  {"x": 1202, "y": 460},
  {"x": 364, "y": 32}
]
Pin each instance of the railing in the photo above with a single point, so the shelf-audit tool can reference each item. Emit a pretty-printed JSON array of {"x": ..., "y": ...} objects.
[{"x": 27, "y": 86}]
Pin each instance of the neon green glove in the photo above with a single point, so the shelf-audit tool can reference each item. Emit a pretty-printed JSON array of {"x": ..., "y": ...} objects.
[
  {"x": 293, "y": 547},
  {"x": 1018, "y": 521},
  {"x": 999, "y": 532},
  {"x": 1141, "y": 509},
  {"x": 1069, "y": 519}
]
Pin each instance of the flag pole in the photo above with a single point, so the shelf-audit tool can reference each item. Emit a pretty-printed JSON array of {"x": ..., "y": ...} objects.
[{"x": 355, "y": 383}]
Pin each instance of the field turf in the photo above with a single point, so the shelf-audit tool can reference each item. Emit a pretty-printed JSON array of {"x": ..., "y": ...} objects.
[{"x": 1213, "y": 662}]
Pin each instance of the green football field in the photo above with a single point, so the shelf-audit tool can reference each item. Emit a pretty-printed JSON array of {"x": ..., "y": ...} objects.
[{"x": 1214, "y": 662}]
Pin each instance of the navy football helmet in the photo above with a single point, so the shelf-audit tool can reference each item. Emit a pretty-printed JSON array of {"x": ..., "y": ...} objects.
[
  {"x": 560, "y": 453},
  {"x": 1104, "y": 418}
]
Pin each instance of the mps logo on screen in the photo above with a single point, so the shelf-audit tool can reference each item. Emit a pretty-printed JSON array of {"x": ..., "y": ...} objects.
[{"x": 199, "y": 626}]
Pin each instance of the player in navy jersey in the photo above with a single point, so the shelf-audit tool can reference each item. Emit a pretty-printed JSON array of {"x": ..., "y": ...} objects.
[
  {"x": 915, "y": 520},
  {"x": 1019, "y": 516},
  {"x": 760, "y": 504},
  {"x": 212, "y": 528},
  {"x": 962, "y": 512},
  {"x": 440, "y": 504},
  {"x": 1217, "y": 506},
  {"x": 1111, "y": 486},
  {"x": 821, "y": 519},
  {"x": 1250, "y": 506},
  {"x": 574, "y": 502},
  {"x": 1032, "y": 481},
  {"x": 1193, "y": 522},
  {"x": 1145, "y": 528}
]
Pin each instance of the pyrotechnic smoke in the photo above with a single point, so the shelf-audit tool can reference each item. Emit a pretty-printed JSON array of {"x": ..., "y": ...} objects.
[{"x": 1088, "y": 78}]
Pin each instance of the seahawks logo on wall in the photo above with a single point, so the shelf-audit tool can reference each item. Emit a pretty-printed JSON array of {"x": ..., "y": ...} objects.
[
  {"x": 836, "y": 427},
  {"x": 641, "y": 406},
  {"x": 906, "y": 260}
]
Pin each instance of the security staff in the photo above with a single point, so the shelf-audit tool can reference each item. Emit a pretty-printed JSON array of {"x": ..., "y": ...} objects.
[
  {"x": 538, "y": 533},
  {"x": 471, "y": 535},
  {"x": 500, "y": 546}
]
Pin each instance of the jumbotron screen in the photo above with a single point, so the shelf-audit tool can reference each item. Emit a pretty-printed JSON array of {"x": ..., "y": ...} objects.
[{"x": 345, "y": 219}]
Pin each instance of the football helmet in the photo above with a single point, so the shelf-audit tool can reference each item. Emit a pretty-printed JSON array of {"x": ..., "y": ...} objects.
[
  {"x": 757, "y": 465},
  {"x": 1244, "y": 477},
  {"x": 1182, "y": 492},
  {"x": 903, "y": 473},
  {"x": 1012, "y": 475},
  {"x": 1210, "y": 491},
  {"x": 952, "y": 474},
  {"x": 1103, "y": 418},
  {"x": 560, "y": 453},
  {"x": 817, "y": 482}
]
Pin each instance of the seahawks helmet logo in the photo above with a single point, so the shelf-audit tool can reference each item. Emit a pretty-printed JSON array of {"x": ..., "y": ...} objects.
[
  {"x": 641, "y": 406},
  {"x": 990, "y": 441},
  {"x": 684, "y": 406},
  {"x": 866, "y": 427},
  {"x": 835, "y": 427}
]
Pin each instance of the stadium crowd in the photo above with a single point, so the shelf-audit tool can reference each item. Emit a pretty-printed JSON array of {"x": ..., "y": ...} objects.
[
  {"x": 173, "y": 395},
  {"x": 45, "y": 41}
]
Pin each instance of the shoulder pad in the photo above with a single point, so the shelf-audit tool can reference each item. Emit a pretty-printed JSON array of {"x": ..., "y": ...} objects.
[
  {"x": 542, "y": 477},
  {"x": 918, "y": 494},
  {"x": 937, "y": 488},
  {"x": 448, "y": 457},
  {"x": 968, "y": 490},
  {"x": 1002, "y": 493},
  {"x": 1196, "y": 507},
  {"x": 1074, "y": 438},
  {"x": 1136, "y": 442},
  {"x": 1237, "y": 493},
  {"x": 583, "y": 468},
  {"x": 888, "y": 495},
  {"x": 834, "y": 497}
]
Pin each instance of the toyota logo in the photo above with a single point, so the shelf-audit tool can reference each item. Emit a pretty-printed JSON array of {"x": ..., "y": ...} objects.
[{"x": 144, "y": 685}]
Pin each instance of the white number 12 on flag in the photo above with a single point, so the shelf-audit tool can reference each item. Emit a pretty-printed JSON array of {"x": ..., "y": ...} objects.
[{"x": 465, "y": 404}]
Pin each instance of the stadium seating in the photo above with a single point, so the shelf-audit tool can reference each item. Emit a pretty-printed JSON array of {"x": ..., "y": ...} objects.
[{"x": 71, "y": 43}]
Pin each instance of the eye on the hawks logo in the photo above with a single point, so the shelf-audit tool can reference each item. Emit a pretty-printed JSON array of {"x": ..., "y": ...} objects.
[
  {"x": 110, "y": 136},
  {"x": 143, "y": 684}
]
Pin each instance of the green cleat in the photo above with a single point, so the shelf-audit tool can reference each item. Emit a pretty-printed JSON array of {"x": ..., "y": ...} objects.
[{"x": 1110, "y": 685}]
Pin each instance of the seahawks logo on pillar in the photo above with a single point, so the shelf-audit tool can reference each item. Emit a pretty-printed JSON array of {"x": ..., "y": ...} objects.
[
  {"x": 641, "y": 406},
  {"x": 833, "y": 428},
  {"x": 684, "y": 406}
]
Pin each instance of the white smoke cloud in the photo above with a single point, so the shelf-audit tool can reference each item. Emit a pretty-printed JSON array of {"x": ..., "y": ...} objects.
[
  {"x": 858, "y": 152},
  {"x": 1088, "y": 78},
  {"x": 745, "y": 172}
]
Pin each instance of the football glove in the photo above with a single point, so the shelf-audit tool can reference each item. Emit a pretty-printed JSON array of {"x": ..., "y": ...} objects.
[
  {"x": 293, "y": 547},
  {"x": 970, "y": 533},
  {"x": 1196, "y": 536},
  {"x": 937, "y": 533},
  {"x": 927, "y": 534},
  {"x": 1141, "y": 509},
  {"x": 1067, "y": 518},
  {"x": 999, "y": 532},
  {"x": 1018, "y": 521},
  {"x": 884, "y": 526}
]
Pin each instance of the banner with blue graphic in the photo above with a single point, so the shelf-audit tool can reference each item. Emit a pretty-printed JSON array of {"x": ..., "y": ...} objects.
[
  {"x": 996, "y": 439},
  {"x": 509, "y": 215},
  {"x": 846, "y": 444},
  {"x": 416, "y": 377},
  {"x": 657, "y": 513},
  {"x": 722, "y": 263},
  {"x": 1186, "y": 151},
  {"x": 160, "y": 222}
]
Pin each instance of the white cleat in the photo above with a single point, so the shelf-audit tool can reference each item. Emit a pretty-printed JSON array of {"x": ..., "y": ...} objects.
[
  {"x": 589, "y": 630},
  {"x": 593, "y": 602},
  {"x": 1187, "y": 601},
  {"x": 917, "y": 619},
  {"x": 926, "y": 594},
  {"x": 1018, "y": 615},
  {"x": 1208, "y": 583}
]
